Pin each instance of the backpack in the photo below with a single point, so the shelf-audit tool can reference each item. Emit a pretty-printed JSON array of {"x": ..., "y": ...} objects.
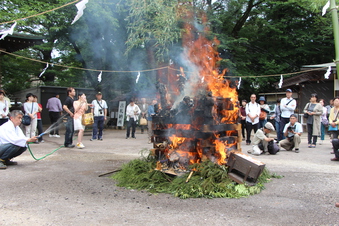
[
  {"x": 272, "y": 147},
  {"x": 263, "y": 115}
]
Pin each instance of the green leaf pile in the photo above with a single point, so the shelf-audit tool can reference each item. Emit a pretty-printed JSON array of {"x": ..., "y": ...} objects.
[{"x": 209, "y": 180}]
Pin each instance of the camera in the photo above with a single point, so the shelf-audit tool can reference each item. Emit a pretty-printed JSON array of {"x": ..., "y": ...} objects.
[
  {"x": 100, "y": 111},
  {"x": 290, "y": 128}
]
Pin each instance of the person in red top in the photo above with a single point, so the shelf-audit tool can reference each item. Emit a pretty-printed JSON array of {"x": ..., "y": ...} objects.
[
  {"x": 242, "y": 116},
  {"x": 39, "y": 122}
]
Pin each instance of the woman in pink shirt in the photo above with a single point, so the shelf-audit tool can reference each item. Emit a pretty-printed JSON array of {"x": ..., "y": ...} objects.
[{"x": 80, "y": 107}]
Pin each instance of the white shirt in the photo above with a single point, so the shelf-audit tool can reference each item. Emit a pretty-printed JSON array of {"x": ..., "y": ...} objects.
[
  {"x": 12, "y": 134},
  {"x": 287, "y": 111},
  {"x": 4, "y": 108},
  {"x": 131, "y": 110},
  {"x": 296, "y": 128},
  {"x": 252, "y": 109},
  {"x": 97, "y": 107}
]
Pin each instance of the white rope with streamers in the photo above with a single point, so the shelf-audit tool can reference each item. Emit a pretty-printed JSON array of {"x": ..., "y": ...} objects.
[
  {"x": 7, "y": 32},
  {"x": 80, "y": 6}
]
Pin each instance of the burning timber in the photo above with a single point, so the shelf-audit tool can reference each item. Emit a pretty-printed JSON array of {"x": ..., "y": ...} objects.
[{"x": 200, "y": 128}]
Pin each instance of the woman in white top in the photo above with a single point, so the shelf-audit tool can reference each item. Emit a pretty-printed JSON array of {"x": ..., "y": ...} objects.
[
  {"x": 31, "y": 108},
  {"x": 4, "y": 107}
]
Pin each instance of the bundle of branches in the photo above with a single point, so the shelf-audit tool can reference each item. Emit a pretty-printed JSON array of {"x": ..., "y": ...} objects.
[{"x": 208, "y": 180}]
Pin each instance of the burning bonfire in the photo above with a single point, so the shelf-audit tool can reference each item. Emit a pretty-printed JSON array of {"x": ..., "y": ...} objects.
[
  {"x": 202, "y": 124},
  {"x": 197, "y": 134}
]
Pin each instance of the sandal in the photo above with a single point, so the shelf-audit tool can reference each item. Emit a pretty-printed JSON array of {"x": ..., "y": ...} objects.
[
  {"x": 313, "y": 146},
  {"x": 309, "y": 145}
]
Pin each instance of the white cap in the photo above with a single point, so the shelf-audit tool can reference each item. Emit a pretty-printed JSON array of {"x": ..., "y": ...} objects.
[{"x": 269, "y": 126}]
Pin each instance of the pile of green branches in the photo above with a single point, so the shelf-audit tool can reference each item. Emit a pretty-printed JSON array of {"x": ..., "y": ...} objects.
[{"x": 209, "y": 180}]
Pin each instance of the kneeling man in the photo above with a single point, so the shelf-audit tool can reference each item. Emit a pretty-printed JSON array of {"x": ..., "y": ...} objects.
[
  {"x": 13, "y": 142},
  {"x": 261, "y": 138},
  {"x": 292, "y": 131}
]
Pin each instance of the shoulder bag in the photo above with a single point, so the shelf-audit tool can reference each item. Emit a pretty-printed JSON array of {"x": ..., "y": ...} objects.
[
  {"x": 143, "y": 122},
  {"x": 330, "y": 127},
  {"x": 26, "y": 120},
  {"x": 87, "y": 119}
]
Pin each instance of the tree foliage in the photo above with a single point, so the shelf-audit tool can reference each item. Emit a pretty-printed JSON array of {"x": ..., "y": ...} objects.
[{"x": 257, "y": 37}]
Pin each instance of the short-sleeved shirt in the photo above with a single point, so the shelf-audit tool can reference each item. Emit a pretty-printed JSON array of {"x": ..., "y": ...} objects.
[
  {"x": 297, "y": 127},
  {"x": 96, "y": 106},
  {"x": 69, "y": 103},
  {"x": 258, "y": 136}
]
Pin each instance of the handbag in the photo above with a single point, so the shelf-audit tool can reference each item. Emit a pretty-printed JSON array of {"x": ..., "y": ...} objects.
[
  {"x": 331, "y": 128},
  {"x": 324, "y": 121},
  {"x": 143, "y": 122},
  {"x": 262, "y": 115},
  {"x": 26, "y": 119},
  {"x": 87, "y": 119}
]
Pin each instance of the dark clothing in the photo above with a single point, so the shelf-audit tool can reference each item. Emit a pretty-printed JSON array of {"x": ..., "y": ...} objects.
[
  {"x": 40, "y": 129},
  {"x": 69, "y": 103},
  {"x": 98, "y": 124},
  {"x": 54, "y": 117},
  {"x": 249, "y": 128},
  {"x": 283, "y": 122},
  {"x": 243, "y": 122},
  {"x": 69, "y": 131},
  {"x": 335, "y": 144},
  {"x": 9, "y": 151},
  {"x": 133, "y": 124},
  {"x": 70, "y": 122},
  {"x": 243, "y": 127},
  {"x": 310, "y": 136},
  {"x": 3, "y": 120}
]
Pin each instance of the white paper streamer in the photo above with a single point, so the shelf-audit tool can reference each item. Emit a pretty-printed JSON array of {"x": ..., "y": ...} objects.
[
  {"x": 136, "y": 81},
  {"x": 43, "y": 71},
  {"x": 325, "y": 8},
  {"x": 99, "y": 76},
  {"x": 80, "y": 6},
  {"x": 328, "y": 73},
  {"x": 7, "y": 32},
  {"x": 239, "y": 83},
  {"x": 281, "y": 81}
]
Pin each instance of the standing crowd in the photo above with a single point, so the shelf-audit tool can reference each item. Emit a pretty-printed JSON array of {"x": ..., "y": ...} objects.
[
  {"x": 20, "y": 127},
  {"x": 316, "y": 116},
  {"x": 253, "y": 116}
]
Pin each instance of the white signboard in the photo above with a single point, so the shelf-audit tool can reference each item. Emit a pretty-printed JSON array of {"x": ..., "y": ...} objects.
[{"x": 121, "y": 113}]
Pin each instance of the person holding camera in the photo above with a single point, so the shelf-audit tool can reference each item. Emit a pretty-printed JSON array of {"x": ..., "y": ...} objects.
[
  {"x": 292, "y": 132},
  {"x": 99, "y": 111},
  {"x": 261, "y": 139}
]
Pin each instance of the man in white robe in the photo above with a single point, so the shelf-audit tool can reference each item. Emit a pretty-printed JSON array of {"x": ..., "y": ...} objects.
[{"x": 13, "y": 142}]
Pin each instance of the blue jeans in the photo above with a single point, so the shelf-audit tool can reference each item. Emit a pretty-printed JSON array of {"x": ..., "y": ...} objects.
[
  {"x": 9, "y": 151},
  {"x": 322, "y": 129},
  {"x": 69, "y": 131},
  {"x": 262, "y": 123},
  {"x": 277, "y": 129},
  {"x": 98, "y": 124}
]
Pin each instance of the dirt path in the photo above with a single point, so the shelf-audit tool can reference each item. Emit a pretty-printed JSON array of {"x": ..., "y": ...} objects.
[{"x": 65, "y": 189}]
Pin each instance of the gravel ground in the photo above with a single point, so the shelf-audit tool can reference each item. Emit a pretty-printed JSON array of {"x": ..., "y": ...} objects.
[{"x": 67, "y": 188}]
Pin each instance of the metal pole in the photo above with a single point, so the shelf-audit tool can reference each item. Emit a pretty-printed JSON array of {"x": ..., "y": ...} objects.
[{"x": 334, "y": 10}]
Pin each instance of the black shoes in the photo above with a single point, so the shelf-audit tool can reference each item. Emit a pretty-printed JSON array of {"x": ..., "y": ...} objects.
[
  {"x": 70, "y": 146},
  {"x": 11, "y": 163}
]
